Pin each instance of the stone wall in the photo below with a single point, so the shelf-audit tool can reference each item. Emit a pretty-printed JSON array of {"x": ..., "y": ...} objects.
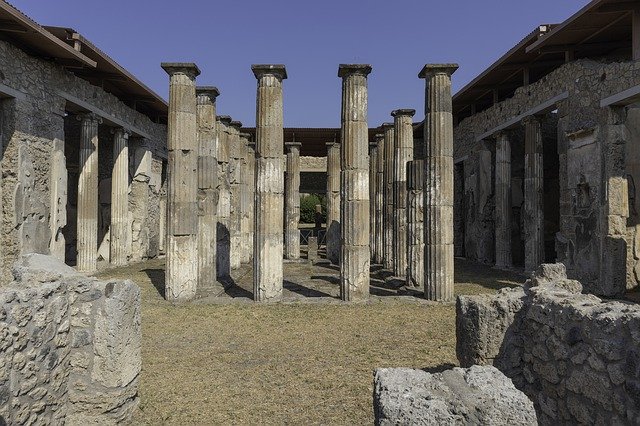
[
  {"x": 69, "y": 346},
  {"x": 576, "y": 356},
  {"x": 592, "y": 240},
  {"x": 33, "y": 131}
]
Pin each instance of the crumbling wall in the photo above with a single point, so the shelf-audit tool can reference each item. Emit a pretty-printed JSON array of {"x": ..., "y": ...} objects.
[
  {"x": 577, "y": 357},
  {"x": 69, "y": 346}
]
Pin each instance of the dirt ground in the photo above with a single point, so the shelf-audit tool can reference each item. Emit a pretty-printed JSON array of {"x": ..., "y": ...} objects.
[{"x": 287, "y": 363}]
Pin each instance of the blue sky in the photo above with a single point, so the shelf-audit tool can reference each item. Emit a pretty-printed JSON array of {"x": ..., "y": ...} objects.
[{"x": 310, "y": 37}]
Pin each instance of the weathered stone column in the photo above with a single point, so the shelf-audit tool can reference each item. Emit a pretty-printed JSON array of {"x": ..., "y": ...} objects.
[
  {"x": 533, "y": 194},
  {"x": 379, "y": 201},
  {"x": 207, "y": 185},
  {"x": 235, "y": 168},
  {"x": 354, "y": 202},
  {"x": 268, "y": 250},
  {"x": 503, "y": 200},
  {"x": 58, "y": 200},
  {"x": 438, "y": 188},
  {"x": 332, "y": 236},
  {"x": 223, "y": 250},
  {"x": 373, "y": 174},
  {"x": 245, "y": 200},
  {"x": 120, "y": 224},
  {"x": 415, "y": 224},
  {"x": 182, "y": 208},
  {"x": 388, "y": 209},
  {"x": 251, "y": 179},
  {"x": 88, "y": 193},
  {"x": 292, "y": 197},
  {"x": 403, "y": 153}
]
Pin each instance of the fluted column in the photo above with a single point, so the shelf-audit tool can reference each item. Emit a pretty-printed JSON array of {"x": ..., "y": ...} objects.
[
  {"x": 503, "y": 201},
  {"x": 292, "y": 196},
  {"x": 182, "y": 189},
  {"x": 533, "y": 194},
  {"x": 245, "y": 200},
  {"x": 268, "y": 247},
  {"x": 403, "y": 153},
  {"x": 379, "y": 201},
  {"x": 207, "y": 185},
  {"x": 354, "y": 202},
  {"x": 120, "y": 225},
  {"x": 88, "y": 193},
  {"x": 251, "y": 179},
  {"x": 389, "y": 153},
  {"x": 235, "y": 180},
  {"x": 223, "y": 250},
  {"x": 373, "y": 174},
  {"x": 332, "y": 236},
  {"x": 415, "y": 224},
  {"x": 438, "y": 187}
]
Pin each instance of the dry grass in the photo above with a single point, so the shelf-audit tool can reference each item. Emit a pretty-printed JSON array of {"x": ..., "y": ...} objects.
[{"x": 283, "y": 363}]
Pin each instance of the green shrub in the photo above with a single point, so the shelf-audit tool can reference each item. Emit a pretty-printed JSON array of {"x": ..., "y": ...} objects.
[{"x": 308, "y": 208}]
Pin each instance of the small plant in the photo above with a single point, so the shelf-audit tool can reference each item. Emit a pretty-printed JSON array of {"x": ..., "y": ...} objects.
[{"x": 308, "y": 205}]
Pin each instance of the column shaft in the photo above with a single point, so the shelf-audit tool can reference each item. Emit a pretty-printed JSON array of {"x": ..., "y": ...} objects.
[
  {"x": 120, "y": 225},
  {"x": 354, "y": 254},
  {"x": 332, "y": 236},
  {"x": 251, "y": 179},
  {"x": 415, "y": 224},
  {"x": 88, "y": 194},
  {"x": 245, "y": 201},
  {"x": 292, "y": 211},
  {"x": 533, "y": 195},
  {"x": 268, "y": 247},
  {"x": 389, "y": 152},
  {"x": 223, "y": 235},
  {"x": 373, "y": 175},
  {"x": 235, "y": 180},
  {"x": 503, "y": 201},
  {"x": 438, "y": 218}
]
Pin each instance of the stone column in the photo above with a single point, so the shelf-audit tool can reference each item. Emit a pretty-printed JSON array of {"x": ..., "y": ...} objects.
[
  {"x": 88, "y": 193},
  {"x": 245, "y": 200},
  {"x": 207, "y": 186},
  {"x": 415, "y": 224},
  {"x": 379, "y": 201},
  {"x": 268, "y": 247},
  {"x": 373, "y": 174},
  {"x": 182, "y": 208},
  {"x": 58, "y": 200},
  {"x": 251, "y": 179},
  {"x": 533, "y": 194},
  {"x": 403, "y": 153},
  {"x": 223, "y": 250},
  {"x": 438, "y": 188},
  {"x": 292, "y": 196},
  {"x": 235, "y": 180},
  {"x": 389, "y": 152},
  {"x": 120, "y": 224},
  {"x": 332, "y": 236},
  {"x": 354, "y": 200},
  {"x": 503, "y": 201}
]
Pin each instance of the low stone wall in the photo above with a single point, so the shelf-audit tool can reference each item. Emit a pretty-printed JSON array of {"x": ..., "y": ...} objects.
[
  {"x": 477, "y": 395},
  {"x": 69, "y": 346},
  {"x": 576, "y": 356}
]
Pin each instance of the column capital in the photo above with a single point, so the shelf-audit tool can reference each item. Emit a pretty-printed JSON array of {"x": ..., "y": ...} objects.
[
  {"x": 121, "y": 132},
  {"x": 403, "y": 113},
  {"x": 207, "y": 93},
  {"x": 89, "y": 116},
  {"x": 379, "y": 136},
  {"x": 373, "y": 145},
  {"x": 224, "y": 119},
  {"x": 386, "y": 126},
  {"x": 246, "y": 136},
  {"x": 290, "y": 145},
  {"x": 333, "y": 144},
  {"x": 430, "y": 70},
  {"x": 277, "y": 70},
  {"x": 236, "y": 124},
  {"x": 188, "y": 68},
  {"x": 504, "y": 133},
  {"x": 530, "y": 119},
  {"x": 346, "y": 70}
]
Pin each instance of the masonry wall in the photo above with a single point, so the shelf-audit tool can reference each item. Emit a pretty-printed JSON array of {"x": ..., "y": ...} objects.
[
  {"x": 593, "y": 238},
  {"x": 575, "y": 355},
  {"x": 33, "y": 129}
]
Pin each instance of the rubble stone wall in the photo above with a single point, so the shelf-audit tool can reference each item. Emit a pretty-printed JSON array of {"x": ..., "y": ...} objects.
[
  {"x": 69, "y": 346},
  {"x": 576, "y": 356}
]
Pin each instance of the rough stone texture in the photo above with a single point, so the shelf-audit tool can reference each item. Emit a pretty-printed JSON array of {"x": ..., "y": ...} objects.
[
  {"x": 182, "y": 141},
  {"x": 223, "y": 251},
  {"x": 236, "y": 151},
  {"x": 355, "y": 255},
  {"x": 379, "y": 202},
  {"x": 268, "y": 247},
  {"x": 251, "y": 186},
  {"x": 389, "y": 144},
  {"x": 333, "y": 203},
  {"x": 415, "y": 224},
  {"x": 71, "y": 346},
  {"x": 246, "y": 200},
  {"x": 480, "y": 395},
  {"x": 292, "y": 198},
  {"x": 403, "y": 153},
  {"x": 574, "y": 355},
  {"x": 438, "y": 188}
]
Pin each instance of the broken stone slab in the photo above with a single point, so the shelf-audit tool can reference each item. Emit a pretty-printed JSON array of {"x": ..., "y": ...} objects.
[
  {"x": 41, "y": 268},
  {"x": 459, "y": 396}
]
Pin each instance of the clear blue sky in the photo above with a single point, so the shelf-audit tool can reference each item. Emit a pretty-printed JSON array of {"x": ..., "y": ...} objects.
[{"x": 310, "y": 37}]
